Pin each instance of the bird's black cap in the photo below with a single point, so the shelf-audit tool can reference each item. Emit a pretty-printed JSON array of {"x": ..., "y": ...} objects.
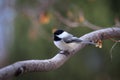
[{"x": 57, "y": 32}]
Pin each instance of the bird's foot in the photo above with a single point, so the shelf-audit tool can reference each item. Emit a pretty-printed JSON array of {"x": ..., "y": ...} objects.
[{"x": 65, "y": 52}]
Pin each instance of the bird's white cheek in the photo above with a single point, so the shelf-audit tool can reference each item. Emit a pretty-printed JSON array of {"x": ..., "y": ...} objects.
[{"x": 63, "y": 35}]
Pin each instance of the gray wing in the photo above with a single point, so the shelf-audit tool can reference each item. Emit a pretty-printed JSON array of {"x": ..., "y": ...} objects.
[{"x": 71, "y": 39}]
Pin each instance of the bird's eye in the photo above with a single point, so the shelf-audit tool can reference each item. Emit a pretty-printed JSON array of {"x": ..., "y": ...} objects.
[{"x": 58, "y": 32}]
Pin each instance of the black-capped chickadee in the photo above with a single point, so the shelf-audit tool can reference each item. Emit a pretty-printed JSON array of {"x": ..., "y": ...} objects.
[{"x": 66, "y": 41}]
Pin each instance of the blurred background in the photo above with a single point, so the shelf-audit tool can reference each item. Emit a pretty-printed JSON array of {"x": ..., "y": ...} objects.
[{"x": 26, "y": 33}]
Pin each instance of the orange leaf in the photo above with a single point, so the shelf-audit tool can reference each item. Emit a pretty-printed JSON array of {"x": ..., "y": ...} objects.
[
  {"x": 99, "y": 43},
  {"x": 53, "y": 30},
  {"x": 33, "y": 33},
  {"x": 44, "y": 18},
  {"x": 81, "y": 18}
]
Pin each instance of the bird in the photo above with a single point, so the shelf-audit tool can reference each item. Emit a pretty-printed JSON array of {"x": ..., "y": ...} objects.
[{"x": 66, "y": 41}]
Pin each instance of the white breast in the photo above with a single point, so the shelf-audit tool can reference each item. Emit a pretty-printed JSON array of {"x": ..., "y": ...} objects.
[{"x": 65, "y": 46}]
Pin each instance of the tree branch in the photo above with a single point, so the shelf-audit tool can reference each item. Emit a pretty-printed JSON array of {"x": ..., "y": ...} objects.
[
  {"x": 69, "y": 23},
  {"x": 58, "y": 60}
]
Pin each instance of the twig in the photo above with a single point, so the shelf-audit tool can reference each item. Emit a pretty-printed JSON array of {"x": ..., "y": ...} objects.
[
  {"x": 66, "y": 21},
  {"x": 112, "y": 49},
  {"x": 76, "y": 24},
  {"x": 117, "y": 21},
  {"x": 90, "y": 25}
]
